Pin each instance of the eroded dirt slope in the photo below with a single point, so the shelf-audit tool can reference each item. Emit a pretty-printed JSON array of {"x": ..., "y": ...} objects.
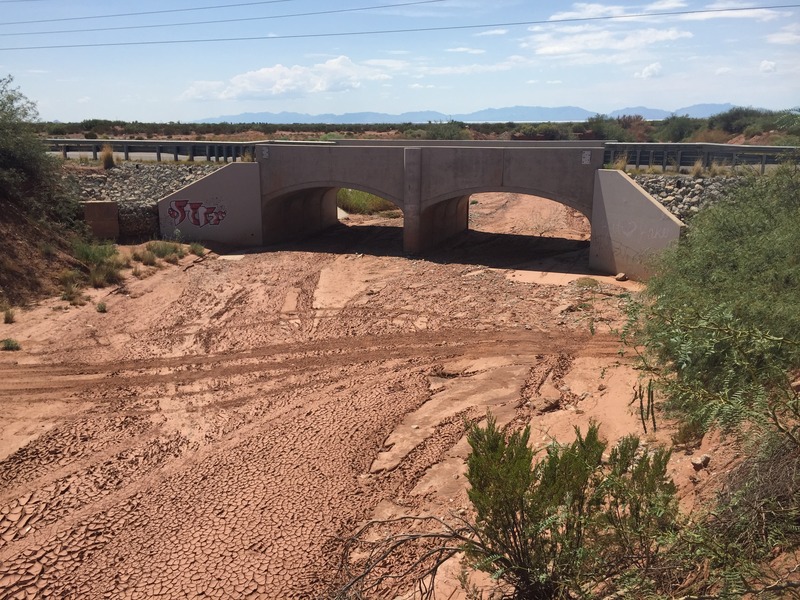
[{"x": 227, "y": 420}]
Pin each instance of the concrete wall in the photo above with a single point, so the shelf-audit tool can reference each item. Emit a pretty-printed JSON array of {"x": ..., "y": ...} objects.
[
  {"x": 102, "y": 218},
  {"x": 299, "y": 214},
  {"x": 222, "y": 207},
  {"x": 628, "y": 226}
]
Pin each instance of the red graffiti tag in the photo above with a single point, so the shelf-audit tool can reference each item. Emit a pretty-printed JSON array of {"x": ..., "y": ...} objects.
[{"x": 197, "y": 213}]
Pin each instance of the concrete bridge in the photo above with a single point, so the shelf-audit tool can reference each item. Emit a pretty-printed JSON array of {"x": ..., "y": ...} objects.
[{"x": 289, "y": 192}]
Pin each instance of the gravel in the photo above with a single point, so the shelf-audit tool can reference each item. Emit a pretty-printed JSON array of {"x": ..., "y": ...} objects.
[
  {"x": 137, "y": 187},
  {"x": 683, "y": 195}
]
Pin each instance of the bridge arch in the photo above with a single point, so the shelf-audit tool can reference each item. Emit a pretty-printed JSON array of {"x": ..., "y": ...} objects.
[
  {"x": 571, "y": 201},
  {"x": 302, "y": 210}
]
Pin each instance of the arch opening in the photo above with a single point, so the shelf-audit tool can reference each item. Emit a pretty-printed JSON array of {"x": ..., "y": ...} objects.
[{"x": 514, "y": 230}]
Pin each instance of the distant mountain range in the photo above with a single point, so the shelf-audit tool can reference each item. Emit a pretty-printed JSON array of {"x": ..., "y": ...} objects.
[{"x": 517, "y": 114}]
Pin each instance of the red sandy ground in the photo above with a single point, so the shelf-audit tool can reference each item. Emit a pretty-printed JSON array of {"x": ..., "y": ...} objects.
[{"x": 227, "y": 420}]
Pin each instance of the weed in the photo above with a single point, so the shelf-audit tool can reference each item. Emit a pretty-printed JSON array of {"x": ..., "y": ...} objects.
[
  {"x": 10, "y": 345},
  {"x": 146, "y": 257},
  {"x": 101, "y": 307},
  {"x": 697, "y": 168},
  {"x": 163, "y": 249},
  {"x": 107, "y": 157},
  {"x": 197, "y": 249},
  {"x": 620, "y": 162},
  {"x": 362, "y": 203},
  {"x": 8, "y": 316},
  {"x": 587, "y": 282}
]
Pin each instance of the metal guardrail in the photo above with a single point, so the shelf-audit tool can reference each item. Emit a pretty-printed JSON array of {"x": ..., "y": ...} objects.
[
  {"x": 686, "y": 155},
  {"x": 190, "y": 150},
  {"x": 636, "y": 154}
]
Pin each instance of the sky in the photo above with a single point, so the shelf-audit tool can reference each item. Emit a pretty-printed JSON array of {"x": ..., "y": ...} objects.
[{"x": 181, "y": 60}]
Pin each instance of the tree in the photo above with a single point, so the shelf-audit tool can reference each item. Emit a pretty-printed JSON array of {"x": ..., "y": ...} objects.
[{"x": 29, "y": 177}]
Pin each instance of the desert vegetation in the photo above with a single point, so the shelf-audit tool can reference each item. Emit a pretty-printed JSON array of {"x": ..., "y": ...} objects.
[{"x": 739, "y": 124}]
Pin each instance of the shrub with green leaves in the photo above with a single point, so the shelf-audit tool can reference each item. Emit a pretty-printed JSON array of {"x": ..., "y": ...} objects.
[
  {"x": 554, "y": 529},
  {"x": 361, "y": 203},
  {"x": 571, "y": 521},
  {"x": 721, "y": 317},
  {"x": 10, "y": 345},
  {"x": 164, "y": 249}
]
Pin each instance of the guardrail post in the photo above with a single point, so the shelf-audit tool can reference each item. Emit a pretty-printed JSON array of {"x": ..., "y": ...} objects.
[
  {"x": 64, "y": 152},
  {"x": 191, "y": 152},
  {"x": 126, "y": 152},
  {"x": 208, "y": 153},
  {"x": 763, "y": 163},
  {"x": 175, "y": 153},
  {"x": 94, "y": 151},
  {"x": 158, "y": 153}
]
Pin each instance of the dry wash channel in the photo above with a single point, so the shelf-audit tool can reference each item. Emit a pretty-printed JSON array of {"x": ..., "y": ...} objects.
[{"x": 221, "y": 427}]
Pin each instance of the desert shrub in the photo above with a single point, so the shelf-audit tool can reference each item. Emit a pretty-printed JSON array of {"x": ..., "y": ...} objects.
[
  {"x": 29, "y": 177},
  {"x": 197, "y": 249},
  {"x": 362, "y": 203},
  {"x": 146, "y": 257},
  {"x": 677, "y": 128},
  {"x": 722, "y": 323},
  {"x": 8, "y": 316},
  {"x": 448, "y": 130},
  {"x": 107, "y": 157},
  {"x": 91, "y": 253},
  {"x": 547, "y": 530},
  {"x": 164, "y": 249},
  {"x": 10, "y": 345},
  {"x": 101, "y": 307}
]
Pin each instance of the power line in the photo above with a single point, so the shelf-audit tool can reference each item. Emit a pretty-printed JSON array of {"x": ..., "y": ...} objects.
[
  {"x": 139, "y": 14},
  {"x": 407, "y": 30},
  {"x": 216, "y": 21}
]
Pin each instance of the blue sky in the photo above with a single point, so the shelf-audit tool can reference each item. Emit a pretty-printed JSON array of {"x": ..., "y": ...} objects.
[{"x": 481, "y": 54}]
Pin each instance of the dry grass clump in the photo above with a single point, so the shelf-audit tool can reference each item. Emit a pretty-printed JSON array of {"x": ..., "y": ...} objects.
[{"x": 107, "y": 157}]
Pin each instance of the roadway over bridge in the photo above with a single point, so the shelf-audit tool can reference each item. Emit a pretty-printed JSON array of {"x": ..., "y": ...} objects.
[{"x": 290, "y": 193}]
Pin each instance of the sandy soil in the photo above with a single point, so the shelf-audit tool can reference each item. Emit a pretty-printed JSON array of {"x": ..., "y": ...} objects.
[{"x": 228, "y": 419}]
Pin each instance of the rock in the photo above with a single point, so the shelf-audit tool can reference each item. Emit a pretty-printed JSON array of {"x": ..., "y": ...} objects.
[
  {"x": 701, "y": 462},
  {"x": 621, "y": 277}
]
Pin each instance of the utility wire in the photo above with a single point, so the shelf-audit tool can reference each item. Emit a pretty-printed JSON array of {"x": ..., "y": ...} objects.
[
  {"x": 139, "y": 14},
  {"x": 407, "y": 30},
  {"x": 216, "y": 21}
]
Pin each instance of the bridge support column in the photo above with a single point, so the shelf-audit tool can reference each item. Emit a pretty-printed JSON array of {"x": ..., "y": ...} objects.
[{"x": 412, "y": 201}]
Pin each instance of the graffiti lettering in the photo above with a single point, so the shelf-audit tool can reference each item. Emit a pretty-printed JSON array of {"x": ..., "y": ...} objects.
[{"x": 197, "y": 213}]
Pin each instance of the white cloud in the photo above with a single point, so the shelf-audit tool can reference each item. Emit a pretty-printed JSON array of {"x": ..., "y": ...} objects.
[
  {"x": 84, "y": 100},
  {"x": 767, "y": 66},
  {"x": 787, "y": 35},
  {"x": 665, "y": 5},
  {"x": 492, "y": 32},
  {"x": 334, "y": 75},
  {"x": 723, "y": 71},
  {"x": 387, "y": 63},
  {"x": 467, "y": 50},
  {"x": 419, "y": 86},
  {"x": 583, "y": 10},
  {"x": 472, "y": 69},
  {"x": 651, "y": 70},
  {"x": 596, "y": 40},
  {"x": 713, "y": 12}
]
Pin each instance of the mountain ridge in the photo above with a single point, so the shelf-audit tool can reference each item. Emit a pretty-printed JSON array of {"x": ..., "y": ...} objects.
[{"x": 532, "y": 114}]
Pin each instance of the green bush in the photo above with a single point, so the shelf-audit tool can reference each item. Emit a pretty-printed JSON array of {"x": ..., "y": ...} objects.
[
  {"x": 29, "y": 177},
  {"x": 721, "y": 321},
  {"x": 10, "y": 345},
  {"x": 571, "y": 521},
  {"x": 8, "y": 316},
  {"x": 197, "y": 249},
  {"x": 361, "y": 203},
  {"x": 163, "y": 249}
]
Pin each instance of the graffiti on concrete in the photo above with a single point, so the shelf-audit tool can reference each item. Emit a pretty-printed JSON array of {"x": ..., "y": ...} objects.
[{"x": 197, "y": 213}]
